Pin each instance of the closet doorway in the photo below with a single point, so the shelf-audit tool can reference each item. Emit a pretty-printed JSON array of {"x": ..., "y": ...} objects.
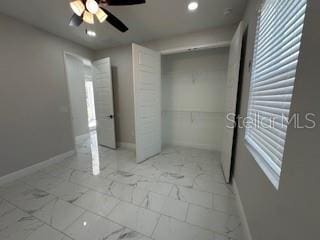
[
  {"x": 197, "y": 88},
  {"x": 181, "y": 103},
  {"x": 193, "y": 96}
]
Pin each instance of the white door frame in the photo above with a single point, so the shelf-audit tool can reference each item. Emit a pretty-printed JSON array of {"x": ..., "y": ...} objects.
[
  {"x": 85, "y": 61},
  {"x": 231, "y": 100}
]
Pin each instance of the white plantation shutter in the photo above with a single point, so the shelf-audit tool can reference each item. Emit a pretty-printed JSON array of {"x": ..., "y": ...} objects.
[{"x": 276, "y": 53}]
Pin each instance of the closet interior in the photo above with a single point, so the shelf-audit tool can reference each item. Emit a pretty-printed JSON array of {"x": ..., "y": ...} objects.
[{"x": 193, "y": 98}]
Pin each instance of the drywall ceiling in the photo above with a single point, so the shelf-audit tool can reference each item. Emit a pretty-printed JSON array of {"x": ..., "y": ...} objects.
[{"x": 153, "y": 20}]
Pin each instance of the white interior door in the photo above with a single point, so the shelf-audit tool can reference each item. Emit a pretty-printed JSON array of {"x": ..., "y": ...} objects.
[
  {"x": 147, "y": 101},
  {"x": 103, "y": 95},
  {"x": 231, "y": 99}
]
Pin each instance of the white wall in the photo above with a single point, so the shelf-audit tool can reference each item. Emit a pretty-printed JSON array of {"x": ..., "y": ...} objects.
[
  {"x": 76, "y": 71},
  {"x": 34, "y": 104},
  {"x": 291, "y": 212},
  {"x": 193, "y": 95},
  {"x": 207, "y": 37}
]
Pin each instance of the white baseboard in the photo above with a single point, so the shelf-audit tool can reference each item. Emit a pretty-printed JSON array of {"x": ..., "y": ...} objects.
[
  {"x": 246, "y": 229},
  {"x": 127, "y": 145},
  {"x": 34, "y": 168}
]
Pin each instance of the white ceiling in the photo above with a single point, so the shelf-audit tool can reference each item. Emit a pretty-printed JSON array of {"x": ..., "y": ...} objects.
[{"x": 153, "y": 20}]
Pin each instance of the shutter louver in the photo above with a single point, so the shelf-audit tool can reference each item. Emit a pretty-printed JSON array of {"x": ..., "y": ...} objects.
[{"x": 276, "y": 52}]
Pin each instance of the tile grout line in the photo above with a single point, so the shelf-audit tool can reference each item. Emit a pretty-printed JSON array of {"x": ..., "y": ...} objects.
[
  {"x": 44, "y": 223},
  {"x": 168, "y": 182},
  {"x": 173, "y": 183},
  {"x": 160, "y": 213},
  {"x": 84, "y": 212},
  {"x": 105, "y": 193},
  {"x": 106, "y": 218},
  {"x": 155, "y": 227},
  {"x": 207, "y": 229},
  {"x": 113, "y": 196},
  {"x": 213, "y": 201},
  {"x": 187, "y": 213},
  {"x": 65, "y": 229}
]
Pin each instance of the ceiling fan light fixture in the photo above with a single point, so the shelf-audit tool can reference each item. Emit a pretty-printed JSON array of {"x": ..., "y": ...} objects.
[
  {"x": 86, "y": 10},
  {"x": 101, "y": 15},
  {"x": 92, "y": 6},
  {"x": 88, "y": 17},
  {"x": 77, "y": 7}
]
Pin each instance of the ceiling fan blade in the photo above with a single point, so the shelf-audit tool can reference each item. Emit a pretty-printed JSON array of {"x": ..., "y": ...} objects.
[
  {"x": 124, "y": 2},
  {"x": 114, "y": 21},
  {"x": 75, "y": 21}
]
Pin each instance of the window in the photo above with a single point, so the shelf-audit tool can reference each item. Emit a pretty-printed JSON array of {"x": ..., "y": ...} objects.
[{"x": 276, "y": 52}]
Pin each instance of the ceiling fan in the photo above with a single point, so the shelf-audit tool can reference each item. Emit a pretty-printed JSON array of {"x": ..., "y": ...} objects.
[{"x": 85, "y": 10}]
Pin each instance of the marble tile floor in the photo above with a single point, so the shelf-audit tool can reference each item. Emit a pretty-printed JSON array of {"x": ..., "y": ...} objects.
[{"x": 102, "y": 194}]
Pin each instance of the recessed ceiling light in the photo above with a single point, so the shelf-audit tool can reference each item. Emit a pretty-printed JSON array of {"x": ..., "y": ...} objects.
[
  {"x": 91, "y": 33},
  {"x": 193, "y": 6}
]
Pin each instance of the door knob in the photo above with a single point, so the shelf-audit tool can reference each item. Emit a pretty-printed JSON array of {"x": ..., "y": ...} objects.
[{"x": 110, "y": 116}]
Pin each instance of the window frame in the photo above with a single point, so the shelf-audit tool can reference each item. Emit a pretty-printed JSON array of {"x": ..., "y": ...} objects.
[{"x": 265, "y": 161}]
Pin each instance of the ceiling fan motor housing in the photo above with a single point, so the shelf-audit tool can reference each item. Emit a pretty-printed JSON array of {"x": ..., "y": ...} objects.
[{"x": 85, "y": 10}]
